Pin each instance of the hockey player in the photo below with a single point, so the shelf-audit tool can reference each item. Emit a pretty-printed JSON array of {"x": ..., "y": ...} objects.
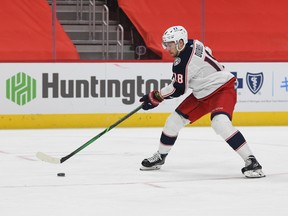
[{"x": 213, "y": 91}]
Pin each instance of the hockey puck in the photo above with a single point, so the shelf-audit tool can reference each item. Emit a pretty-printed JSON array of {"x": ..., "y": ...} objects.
[{"x": 61, "y": 174}]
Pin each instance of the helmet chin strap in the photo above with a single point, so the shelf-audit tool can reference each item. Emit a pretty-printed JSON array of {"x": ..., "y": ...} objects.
[{"x": 177, "y": 47}]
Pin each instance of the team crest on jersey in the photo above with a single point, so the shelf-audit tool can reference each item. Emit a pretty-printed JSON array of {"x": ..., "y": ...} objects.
[
  {"x": 177, "y": 61},
  {"x": 254, "y": 81}
]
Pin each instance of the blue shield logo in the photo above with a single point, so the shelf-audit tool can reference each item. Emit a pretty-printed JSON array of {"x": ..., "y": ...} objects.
[{"x": 254, "y": 81}]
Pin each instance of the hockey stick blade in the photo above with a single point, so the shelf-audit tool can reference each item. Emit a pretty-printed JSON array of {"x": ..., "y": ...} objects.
[{"x": 47, "y": 158}]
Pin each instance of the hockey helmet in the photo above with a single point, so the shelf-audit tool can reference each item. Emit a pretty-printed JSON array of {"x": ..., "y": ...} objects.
[{"x": 175, "y": 34}]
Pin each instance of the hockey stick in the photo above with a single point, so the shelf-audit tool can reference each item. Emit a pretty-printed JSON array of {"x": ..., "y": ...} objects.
[{"x": 50, "y": 159}]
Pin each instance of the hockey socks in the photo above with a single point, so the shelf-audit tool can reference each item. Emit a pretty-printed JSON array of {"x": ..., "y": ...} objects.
[
  {"x": 166, "y": 143},
  {"x": 238, "y": 143}
]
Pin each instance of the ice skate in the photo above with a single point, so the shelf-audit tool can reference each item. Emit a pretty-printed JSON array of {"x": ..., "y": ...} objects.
[
  {"x": 153, "y": 163},
  {"x": 252, "y": 168}
]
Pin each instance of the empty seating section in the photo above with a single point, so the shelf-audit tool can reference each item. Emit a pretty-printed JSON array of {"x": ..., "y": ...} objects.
[
  {"x": 243, "y": 31},
  {"x": 236, "y": 30},
  {"x": 26, "y": 33}
]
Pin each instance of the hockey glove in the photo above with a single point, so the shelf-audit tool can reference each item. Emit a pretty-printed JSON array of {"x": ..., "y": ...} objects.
[{"x": 151, "y": 100}]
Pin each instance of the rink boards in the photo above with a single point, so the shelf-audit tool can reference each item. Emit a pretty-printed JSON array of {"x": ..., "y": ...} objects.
[{"x": 96, "y": 94}]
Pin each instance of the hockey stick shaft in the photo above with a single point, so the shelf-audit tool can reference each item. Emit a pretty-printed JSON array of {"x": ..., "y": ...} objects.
[{"x": 100, "y": 134}]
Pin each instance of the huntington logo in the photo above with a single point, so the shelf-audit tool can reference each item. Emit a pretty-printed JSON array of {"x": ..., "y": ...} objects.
[{"x": 21, "y": 88}]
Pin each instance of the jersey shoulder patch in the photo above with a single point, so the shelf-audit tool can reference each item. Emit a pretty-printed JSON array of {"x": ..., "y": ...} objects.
[{"x": 199, "y": 50}]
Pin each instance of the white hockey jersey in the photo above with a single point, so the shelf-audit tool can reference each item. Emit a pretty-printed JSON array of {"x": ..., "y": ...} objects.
[{"x": 197, "y": 69}]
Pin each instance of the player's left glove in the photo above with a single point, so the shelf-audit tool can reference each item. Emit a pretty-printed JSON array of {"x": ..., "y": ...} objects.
[{"x": 151, "y": 100}]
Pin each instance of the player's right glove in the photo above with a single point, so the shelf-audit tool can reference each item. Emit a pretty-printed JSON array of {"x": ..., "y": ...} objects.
[{"x": 151, "y": 100}]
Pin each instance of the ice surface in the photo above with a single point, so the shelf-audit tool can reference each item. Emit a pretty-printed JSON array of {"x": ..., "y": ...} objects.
[{"x": 201, "y": 176}]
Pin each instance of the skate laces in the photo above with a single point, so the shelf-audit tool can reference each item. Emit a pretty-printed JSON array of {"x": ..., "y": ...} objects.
[
  {"x": 249, "y": 161},
  {"x": 154, "y": 158}
]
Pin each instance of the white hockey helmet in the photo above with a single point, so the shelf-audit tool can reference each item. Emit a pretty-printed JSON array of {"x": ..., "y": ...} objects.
[{"x": 174, "y": 34}]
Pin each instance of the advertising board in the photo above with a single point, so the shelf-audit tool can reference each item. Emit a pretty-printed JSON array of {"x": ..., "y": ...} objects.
[{"x": 102, "y": 88}]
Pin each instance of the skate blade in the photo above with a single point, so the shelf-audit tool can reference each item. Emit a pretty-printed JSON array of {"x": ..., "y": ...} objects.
[
  {"x": 157, "y": 167},
  {"x": 254, "y": 174}
]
